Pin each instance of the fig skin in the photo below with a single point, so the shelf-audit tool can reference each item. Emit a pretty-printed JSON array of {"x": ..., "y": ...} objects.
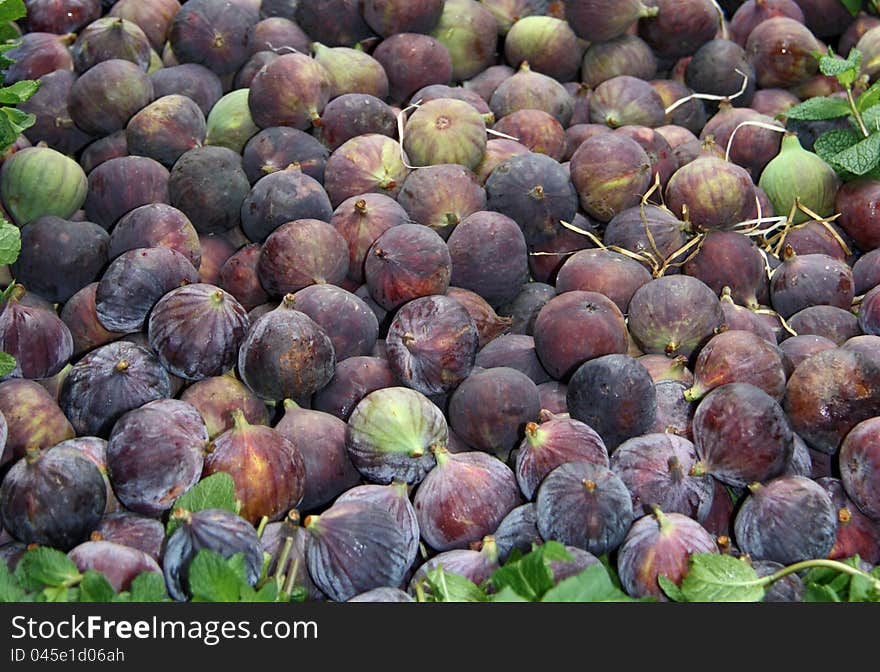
[
  {"x": 660, "y": 544},
  {"x": 477, "y": 566},
  {"x": 605, "y": 272},
  {"x": 411, "y": 62},
  {"x": 351, "y": 71},
  {"x": 286, "y": 354},
  {"x": 468, "y": 30},
  {"x": 37, "y": 54},
  {"x": 808, "y": 280},
  {"x": 268, "y": 469},
  {"x": 858, "y": 467},
  {"x": 729, "y": 259},
  {"x": 272, "y": 100},
  {"x": 525, "y": 306},
  {"x": 391, "y": 433},
  {"x": 548, "y": 44},
  {"x": 370, "y": 163},
  {"x": 239, "y": 276},
  {"x": 108, "y": 382},
  {"x": 781, "y": 51},
  {"x": 213, "y": 34},
  {"x": 346, "y": 29},
  {"x": 165, "y": 129},
  {"x": 96, "y": 450},
  {"x": 674, "y": 315},
  {"x": 107, "y": 38},
  {"x": 497, "y": 151},
  {"x": 663, "y": 368},
  {"x": 276, "y": 148},
  {"x": 625, "y": 100},
  {"x": 188, "y": 79},
  {"x": 216, "y": 397},
  {"x": 796, "y": 349},
  {"x": 584, "y": 505},
  {"x": 431, "y": 344},
  {"x": 197, "y": 317},
  {"x": 53, "y": 123},
  {"x": 857, "y": 534},
  {"x": 679, "y": 27},
  {"x": 145, "y": 480},
  {"x": 658, "y": 470},
  {"x": 463, "y": 499},
  {"x": 37, "y": 338},
  {"x": 490, "y": 409},
  {"x": 275, "y": 537},
  {"x": 320, "y": 440},
  {"x": 353, "y": 379},
  {"x": 355, "y": 547},
  {"x": 835, "y": 324},
  {"x": 516, "y": 351},
  {"x": 302, "y": 253},
  {"x": 119, "y": 564},
  {"x": 154, "y": 18},
  {"x": 553, "y": 442},
  {"x": 52, "y": 498},
  {"x": 354, "y": 114},
  {"x": 45, "y": 16},
  {"x": 575, "y": 327},
  {"x": 441, "y": 196},
  {"x": 217, "y": 530},
  {"x": 445, "y": 131},
  {"x": 119, "y": 185},
  {"x": 857, "y": 201},
  {"x": 532, "y": 90},
  {"x": 103, "y": 99},
  {"x": 742, "y": 357},
  {"x": 388, "y": 17},
  {"x": 134, "y": 530},
  {"x": 135, "y": 281},
  {"x": 828, "y": 394},
  {"x": 742, "y": 435},
  {"x": 613, "y": 394},
  {"x": 80, "y": 316},
  {"x": 111, "y": 146},
  {"x": 31, "y": 417},
  {"x": 407, "y": 262},
  {"x": 788, "y": 519},
  {"x": 675, "y": 414},
  {"x": 274, "y": 33},
  {"x": 750, "y": 13},
  {"x": 156, "y": 225}
]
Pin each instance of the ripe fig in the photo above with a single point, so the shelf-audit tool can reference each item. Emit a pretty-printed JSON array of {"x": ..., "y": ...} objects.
[
  {"x": 412, "y": 61},
  {"x": 119, "y": 185},
  {"x": 605, "y": 272},
  {"x": 53, "y": 123},
  {"x": 301, "y": 252},
  {"x": 391, "y": 432},
  {"x": 600, "y": 20},
  {"x": 729, "y": 259},
  {"x": 548, "y": 44},
  {"x": 353, "y": 379},
  {"x": 53, "y": 497},
  {"x": 675, "y": 414},
  {"x": 856, "y": 201},
  {"x": 532, "y": 90},
  {"x": 516, "y": 351},
  {"x": 134, "y": 530},
  {"x": 710, "y": 193},
  {"x": 497, "y": 151},
  {"x": 679, "y": 27},
  {"x": 110, "y": 38},
  {"x": 752, "y": 12},
  {"x": 276, "y": 148},
  {"x": 118, "y": 563},
  {"x": 188, "y": 79},
  {"x": 394, "y": 498},
  {"x": 857, "y": 534},
  {"x": 335, "y": 22},
  {"x": 156, "y": 225},
  {"x": 209, "y": 185},
  {"x": 37, "y": 338},
  {"x": 467, "y": 29},
  {"x": 525, "y": 306},
  {"x": 292, "y": 91},
  {"x": 275, "y": 33},
  {"x": 239, "y": 276},
  {"x": 111, "y": 146},
  {"x": 809, "y": 280},
  {"x": 104, "y": 98},
  {"x": 476, "y": 566},
  {"x": 31, "y": 417},
  {"x": 371, "y": 163},
  {"x": 441, "y": 196},
  {"x": 80, "y": 316},
  {"x": 518, "y": 530},
  {"x": 625, "y": 100},
  {"x": 835, "y": 324},
  {"x": 56, "y": 17},
  {"x": 858, "y": 467},
  {"x": 96, "y": 450},
  {"x": 354, "y": 114},
  {"x": 216, "y": 397},
  {"x": 154, "y": 18},
  {"x": 781, "y": 50},
  {"x": 213, "y": 33}
]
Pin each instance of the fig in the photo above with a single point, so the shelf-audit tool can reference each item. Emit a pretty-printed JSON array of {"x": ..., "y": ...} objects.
[
  {"x": 835, "y": 324},
  {"x": 120, "y": 185},
  {"x": 809, "y": 280},
  {"x": 548, "y": 44},
  {"x": 412, "y": 61},
  {"x": 781, "y": 50},
  {"x": 370, "y": 163},
  {"x": 477, "y": 566},
  {"x": 675, "y": 414},
  {"x": 625, "y": 100},
  {"x": 338, "y": 23},
  {"x": 406, "y": 262},
  {"x": 301, "y": 253},
  {"x": 274, "y": 149},
  {"x": 111, "y": 146},
  {"x": 485, "y": 83},
  {"x": 135, "y": 281},
  {"x": 188, "y": 79},
  {"x": 869, "y": 313},
  {"x": 736, "y": 356},
  {"x": 516, "y": 351},
  {"x": 216, "y": 397},
  {"x": 788, "y": 519},
  {"x": 660, "y": 544},
  {"x": 356, "y": 546},
  {"x": 388, "y": 17},
  {"x": 689, "y": 115},
  {"x": 742, "y": 435},
  {"x": 445, "y": 131},
  {"x": 80, "y": 316},
  {"x": 611, "y": 173},
  {"x": 216, "y": 530},
  {"x": 57, "y": 17},
  {"x": 720, "y": 68},
  {"x": 52, "y": 497},
  {"x": 535, "y": 191},
  {"x": 37, "y": 338},
  {"x": 584, "y": 505},
  {"x": 749, "y": 146},
  {"x": 354, "y": 114},
  {"x": 553, "y": 442},
  {"x": 229, "y": 123},
  {"x": 526, "y": 305},
  {"x": 737, "y": 317},
  {"x": 52, "y": 121},
  {"x": 441, "y": 196},
  {"x": 39, "y": 181},
  {"x": 600, "y": 20},
  {"x": 662, "y": 368},
  {"x": 866, "y": 344},
  {"x": 109, "y": 381},
  {"x": 647, "y": 230},
  {"x": 663, "y": 160},
  {"x": 103, "y": 99},
  {"x": 535, "y": 130},
  {"x": 286, "y": 355},
  {"x": 575, "y": 327},
  {"x": 146, "y": 480},
  {"x": 272, "y": 99},
  {"x": 165, "y": 129},
  {"x": 391, "y": 433},
  {"x": 351, "y": 71},
  {"x": 658, "y": 470},
  {"x": 622, "y": 55},
  {"x": 213, "y": 33},
  {"x": 353, "y": 379},
  {"x": 382, "y": 595},
  {"x": 239, "y": 277},
  {"x": 154, "y": 18},
  {"x": 156, "y": 225},
  {"x": 605, "y": 272},
  {"x": 858, "y": 467},
  {"x": 528, "y": 90},
  {"x": 675, "y": 315},
  {"x": 796, "y": 175},
  {"x": 518, "y": 530},
  {"x": 752, "y": 12},
  {"x": 276, "y": 33},
  {"x": 489, "y": 324},
  {"x": 613, "y": 394},
  {"x": 118, "y": 563},
  {"x": 729, "y": 259},
  {"x": 110, "y": 38},
  {"x": 815, "y": 237},
  {"x": 134, "y": 530},
  {"x": 679, "y": 27},
  {"x": 463, "y": 498},
  {"x": 856, "y": 202},
  {"x": 468, "y": 30},
  {"x": 31, "y": 417},
  {"x": 856, "y": 533},
  {"x": 798, "y": 348},
  {"x": 547, "y": 259},
  {"x": 276, "y": 537}
]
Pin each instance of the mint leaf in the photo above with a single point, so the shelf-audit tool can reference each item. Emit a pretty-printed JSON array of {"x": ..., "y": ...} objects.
[
  {"x": 861, "y": 158},
  {"x": 591, "y": 585},
  {"x": 60, "y": 594},
  {"x": 211, "y": 579},
  {"x": 148, "y": 587},
  {"x": 10, "y": 242},
  {"x": 20, "y": 120},
  {"x": 818, "y": 593},
  {"x": 853, "y": 6},
  {"x": 845, "y": 69},
  {"x": 95, "y": 587},
  {"x": 869, "y": 98},
  {"x": 217, "y": 491},
  {"x": 268, "y": 593},
  {"x": 10, "y": 591},
  {"x": 715, "y": 577},
  {"x": 871, "y": 118},
  {"x": 831, "y": 143},
  {"x": 446, "y": 587},
  {"x": 508, "y": 594},
  {"x": 44, "y": 566},
  {"x": 18, "y": 92},
  {"x": 7, "y": 364},
  {"x": 819, "y": 108},
  {"x": 12, "y": 10},
  {"x": 673, "y": 592},
  {"x": 8, "y": 32}
]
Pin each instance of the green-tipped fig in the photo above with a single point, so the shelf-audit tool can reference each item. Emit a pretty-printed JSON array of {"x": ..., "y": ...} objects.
[
  {"x": 292, "y": 90},
  {"x": 445, "y": 131},
  {"x": 230, "y": 123},
  {"x": 469, "y": 32},
  {"x": 602, "y": 20},
  {"x": 165, "y": 129},
  {"x": 39, "y": 181},
  {"x": 351, "y": 71},
  {"x": 797, "y": 175},
  {"x": 548, "y": 44}
]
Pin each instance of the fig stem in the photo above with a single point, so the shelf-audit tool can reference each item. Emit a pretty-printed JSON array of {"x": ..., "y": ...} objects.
[
  {"x": 238, "y": 419},
  {"x": 283, "y": 556},
  {"x": 692, "y": 394},
  {"x": 262, "y": 526}
]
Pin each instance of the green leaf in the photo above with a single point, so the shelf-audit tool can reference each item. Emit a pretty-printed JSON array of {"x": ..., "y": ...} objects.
[
  {"x": 18, "y": 92},
  {"x": 268, "y": 593},
  {"x": 211, "y": 579},
  {"x": 508, "y": 594},
  {"x": 591, "y": 585},
  {"x": 21, "y": 121},
  {"x": 818, "y": 108},
  {"x": 148, "y": 587},
  {"x": 869, "y": 97},
  {"x": 60, "y": 594},
  {"x": 845, "y": 69},
  {"x": 217, "y": 491},
  {"x": 673, "y": 592},
  {"x": 44, "y": 566},
  {"x": 446, "y": 587},
  {"x": 7, "y": 363},
  {"x": 8, "y": 32},
  {"x": 10, "y": 242},
  {"x": 815, "y": 592},
  {"x": 12, "y": 10},
  {"x": 715, "y": 577},
  {"x": 871, "y": 118},
  {"x": 861, "y": 158},
  {"x": 95, "y": 587},
  {"x": 831, "y": 143},
  {"x": 853, "y": 6},
  {"x": 10, "y": 591}
]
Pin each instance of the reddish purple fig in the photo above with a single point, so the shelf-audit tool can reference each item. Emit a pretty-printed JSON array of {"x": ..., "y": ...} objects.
[
  {"x": 411, "y": 62},
  {"x": 858, "y": 467},
  {"x": 353, "y": 379},
  {"x": 809, "y": 280},
  {"x": 80, "y": 316},
  {"x": 111, "y": 146},
  {"x": 489, "y": 324},
  {"x": 334, "y": 22},
  {"x": 31, "y": 417},
  {"x": 292, "y": 91},
  {"x": 752, "y": 12},
  {"x": 156, "y": 225},
  {"x": 133, "y": 530},
  {"x": 153, "y": 17},
  {"x": 835, "y": 324},
  {"x": 122, "y": 184},
  {"x": 96, "y": 450},
  {"x": 277, "y": 148},
  {"x": 729, "y": 259},
  {"x": 301, "y": 253},
  {"x": 103, "y": 99},
  {"x": 53, "y": 16},
  {"x": 781, "y": 50},
  {"x": 111, "y": 37},
  {"x": 371, "y": 163},
  {"x": 354, "y": 114},
  {"x": 679, "y": 27},
  {"x": 548, "y": 44},
  {"x": 476, "y": 566},
  {"x": 600, "y": 20},
  {"x": 37, "y": 338},
  {"x": 603, "y": 271},
  {"x": 532, "y": 90},
  {"x": 857, "y": 534},
  {"x": 213, "y": 33},
  {"x": 441, "y": 196},
  {"x": 53, "y": 123},
  {"x": 239, "y": 277},
  {"x": 216, "y": 397},
  {"x": 188, "y": 79},
  {"x": 119, "y": 564},
  {"x": 165, "y": 129}
]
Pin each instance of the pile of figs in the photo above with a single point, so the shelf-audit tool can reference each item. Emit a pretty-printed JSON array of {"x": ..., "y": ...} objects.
[{"x": 434, "y": 280}]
